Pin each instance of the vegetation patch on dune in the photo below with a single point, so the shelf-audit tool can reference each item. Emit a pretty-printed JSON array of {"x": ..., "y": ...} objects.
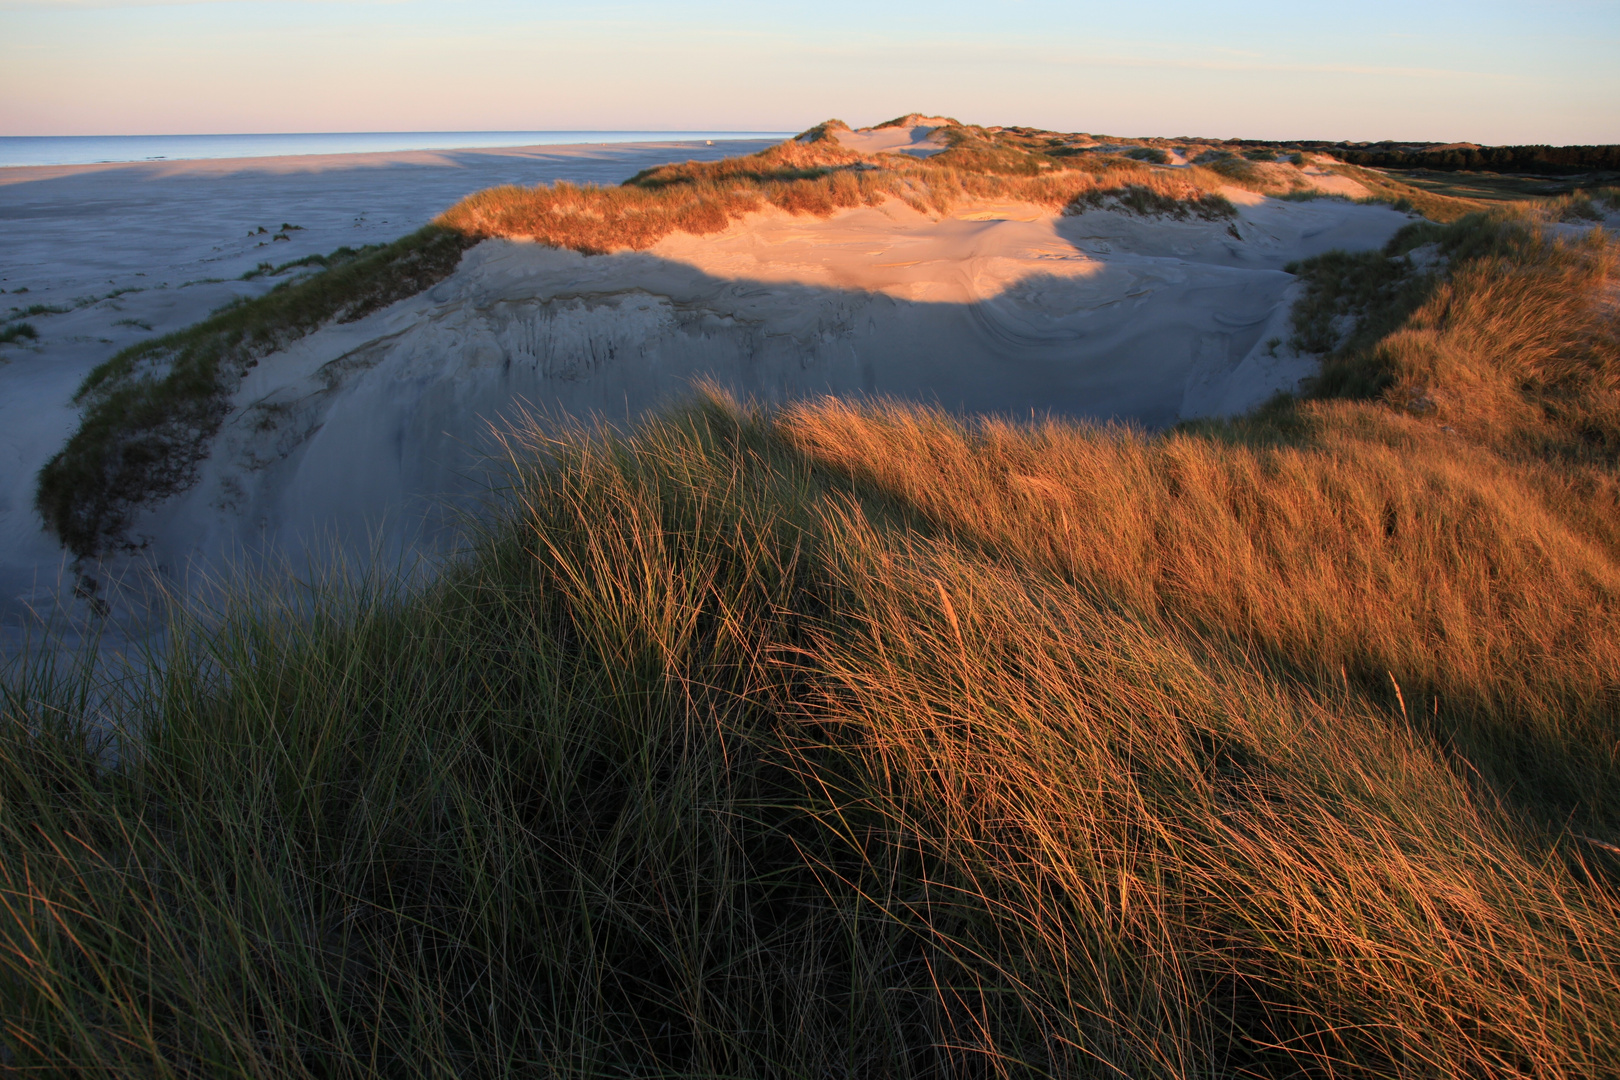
[
  {"x": 1548, "y": 160},
  {"x": 862, "y": 741},
  {"x": 151, "y": 411},
  {"x": 18, "y": 331},
  {"x": 814, "y": 174}
]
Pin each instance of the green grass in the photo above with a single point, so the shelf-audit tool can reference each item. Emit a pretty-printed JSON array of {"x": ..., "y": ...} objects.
[
  {"x": 1494, "y": 187},
  {"x": 18, "y": 331},
  {"x": 87, "y": 301},
  {"x": 324, "y": 262},
  {"x": 150, "y": 411},
  {"x": 1542, "y": 160},
  {"x": 859, "y": 741}
]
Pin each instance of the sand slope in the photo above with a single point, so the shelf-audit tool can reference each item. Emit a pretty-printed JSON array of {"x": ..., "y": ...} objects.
[{"x": 915, "y": 136}]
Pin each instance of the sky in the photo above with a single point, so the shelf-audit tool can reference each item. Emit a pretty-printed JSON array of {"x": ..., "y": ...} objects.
[{"x": 1481, "y": 71}]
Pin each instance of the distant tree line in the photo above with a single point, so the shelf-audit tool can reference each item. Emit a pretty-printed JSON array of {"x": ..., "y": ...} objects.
[
  {"x": 1502, "y": 159},
  {"x": 1553, "y": 160}
]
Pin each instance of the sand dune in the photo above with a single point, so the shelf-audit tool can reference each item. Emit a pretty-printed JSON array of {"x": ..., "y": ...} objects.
[
  {"x": 380, "y": 424},
  {"x": 373, "y": 434},
  {"x": 915, "y": 135}
]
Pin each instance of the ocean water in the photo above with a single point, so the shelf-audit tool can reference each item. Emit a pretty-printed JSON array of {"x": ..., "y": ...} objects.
[{"x": 92, "y": 149}]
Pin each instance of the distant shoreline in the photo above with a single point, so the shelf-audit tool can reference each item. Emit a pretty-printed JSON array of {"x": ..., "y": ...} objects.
[{"x": 37, "y": 150}]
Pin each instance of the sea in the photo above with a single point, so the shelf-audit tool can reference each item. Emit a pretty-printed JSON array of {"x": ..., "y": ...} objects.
[{"x": 95, "y": 149}]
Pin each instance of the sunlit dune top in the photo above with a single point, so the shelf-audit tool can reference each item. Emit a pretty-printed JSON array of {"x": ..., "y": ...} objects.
[
  {"x": 981, "y": 251},
  {"x": 936, "y": 166},
  {"x": 914, "y": 134}
]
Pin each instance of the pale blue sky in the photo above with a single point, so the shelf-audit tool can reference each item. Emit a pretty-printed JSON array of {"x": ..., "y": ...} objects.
[{"x": 1485, "y": 70}]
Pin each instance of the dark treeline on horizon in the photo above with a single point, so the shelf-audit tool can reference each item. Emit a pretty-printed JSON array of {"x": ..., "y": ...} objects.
[{"x": 1557, "y": 160}]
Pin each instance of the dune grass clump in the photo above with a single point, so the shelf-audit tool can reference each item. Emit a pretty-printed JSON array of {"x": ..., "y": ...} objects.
[
  {"x": 915, "y": 119},
  {"x": 18, "y": 331},
  {"x": 1144, "y": 200},
  {"x": 859, "y": 740},
  {"x": 1353, "y": 300},
  {"x": 1496, "y": 286},
  {"x": 33, "y": 310},
  {"x": 151, "y": 411},
  {"x": 319, "y": 262}
]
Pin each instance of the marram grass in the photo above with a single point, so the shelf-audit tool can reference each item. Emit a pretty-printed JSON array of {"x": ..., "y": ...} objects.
[{"x": 857, "y": 741}]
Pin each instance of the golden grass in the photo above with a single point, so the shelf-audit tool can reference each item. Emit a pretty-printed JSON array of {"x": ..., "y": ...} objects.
[
  {"x": 819, "y": 177},
  {"x": 1460, "y": 541},
  {"x": 1149, "y": 846}
]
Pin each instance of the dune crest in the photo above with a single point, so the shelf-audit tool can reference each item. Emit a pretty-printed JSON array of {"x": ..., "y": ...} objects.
[{"x": 916, "y": 135}]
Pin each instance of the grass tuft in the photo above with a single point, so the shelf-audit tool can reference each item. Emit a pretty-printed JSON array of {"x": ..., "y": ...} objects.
[
  {"x": 1144, "y": 200},
  {"x": 18, "y": 331},
  {"x": 33, "y": 310}
]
